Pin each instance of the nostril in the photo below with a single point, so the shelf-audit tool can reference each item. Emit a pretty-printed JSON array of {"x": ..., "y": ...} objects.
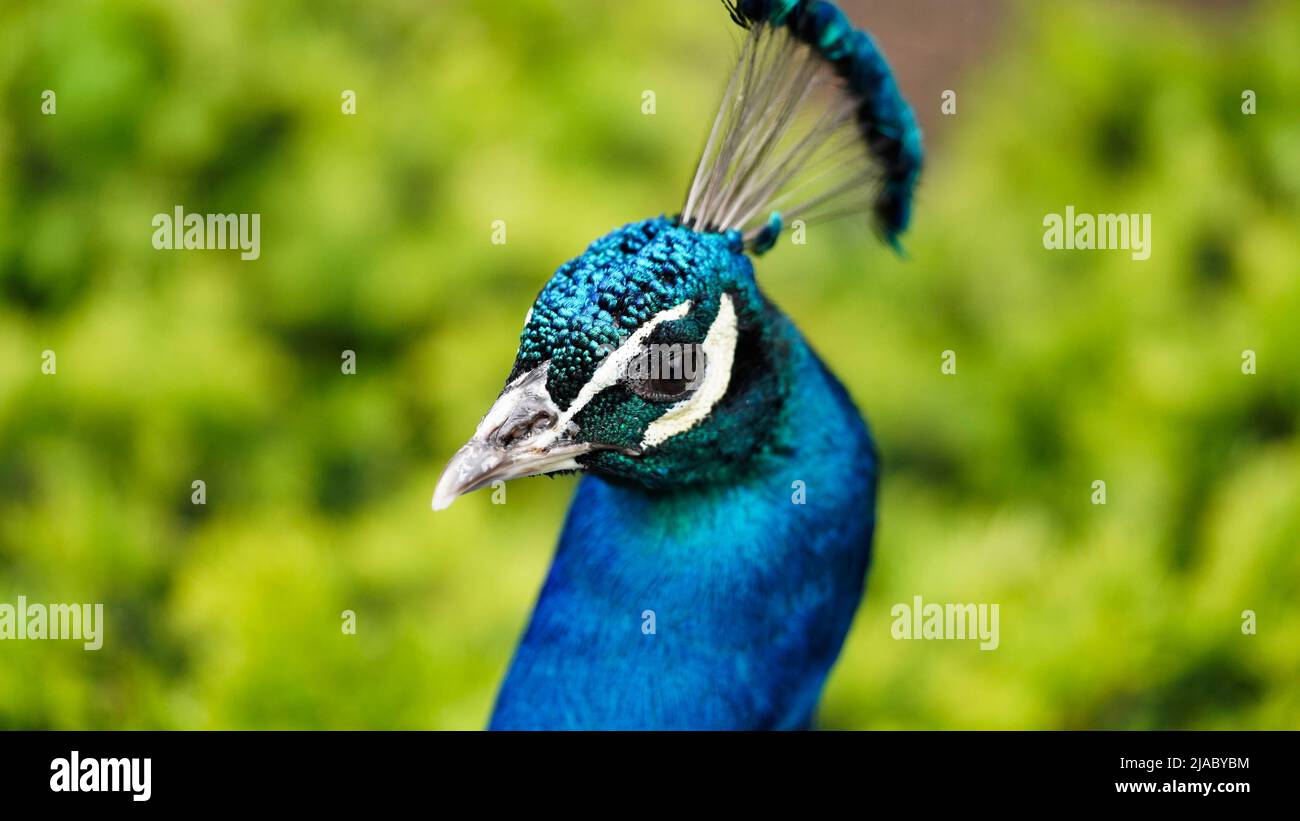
[{"x": 516, "y": 429}]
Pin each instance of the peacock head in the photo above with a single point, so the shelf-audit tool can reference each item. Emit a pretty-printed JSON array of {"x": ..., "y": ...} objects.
[
  {"x": 647, "y": 359},
  {"x": 653, "y": 358}
]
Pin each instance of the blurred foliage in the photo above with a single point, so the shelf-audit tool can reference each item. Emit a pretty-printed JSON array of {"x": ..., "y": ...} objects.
[{"x": 176, "y": 366}]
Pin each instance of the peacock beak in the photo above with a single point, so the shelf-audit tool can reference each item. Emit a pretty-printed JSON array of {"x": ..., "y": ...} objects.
[{"x": 522, "y": 435}]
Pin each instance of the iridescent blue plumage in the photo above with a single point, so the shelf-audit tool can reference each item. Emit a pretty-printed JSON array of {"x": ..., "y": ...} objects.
[
  {"x": 752, "y": 579},
  {"x": 715, "y": 552}
]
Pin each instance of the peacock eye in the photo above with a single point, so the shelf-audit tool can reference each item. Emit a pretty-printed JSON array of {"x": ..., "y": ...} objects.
[{"x": 666, "y": 372}]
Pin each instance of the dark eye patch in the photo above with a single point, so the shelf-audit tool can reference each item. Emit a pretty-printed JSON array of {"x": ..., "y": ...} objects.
[{"x": 666, "y": 372}]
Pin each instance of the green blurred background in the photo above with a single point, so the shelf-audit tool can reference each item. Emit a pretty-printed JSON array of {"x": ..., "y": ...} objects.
[{"x": 1072, "y": 367}]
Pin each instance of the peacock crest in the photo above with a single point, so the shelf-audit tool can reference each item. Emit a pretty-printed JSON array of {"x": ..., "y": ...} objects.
[{"x": 811, "y": 126}]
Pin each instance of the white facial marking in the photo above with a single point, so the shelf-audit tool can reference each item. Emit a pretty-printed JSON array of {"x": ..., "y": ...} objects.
[
  {"x": 612, "y": 369},
  {"x": 531, "y": 382},
  {"x": 484, "y": 458},
  {"x": 719, "y": 351}
]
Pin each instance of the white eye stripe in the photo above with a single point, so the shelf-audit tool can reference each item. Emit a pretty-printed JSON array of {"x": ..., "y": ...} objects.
[
  {"x": 719, "y": 351},
  {"x": 612, "y": 369}
]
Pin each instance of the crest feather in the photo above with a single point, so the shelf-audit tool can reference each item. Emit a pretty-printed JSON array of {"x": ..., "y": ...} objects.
[{"x": 811, "y": 126}]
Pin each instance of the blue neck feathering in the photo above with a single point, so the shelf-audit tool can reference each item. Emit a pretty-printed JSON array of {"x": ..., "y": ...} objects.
[{"x": 716, "y": 550}]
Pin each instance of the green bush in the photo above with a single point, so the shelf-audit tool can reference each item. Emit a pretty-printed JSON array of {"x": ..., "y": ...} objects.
[{"x": 375, "y": 232}]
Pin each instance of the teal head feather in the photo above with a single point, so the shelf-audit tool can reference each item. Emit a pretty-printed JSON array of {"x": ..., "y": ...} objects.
[{"x": 595, "y": 302}]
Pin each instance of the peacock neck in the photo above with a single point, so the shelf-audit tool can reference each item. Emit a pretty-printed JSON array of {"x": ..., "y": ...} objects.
[{"x": 715, "y": 605}]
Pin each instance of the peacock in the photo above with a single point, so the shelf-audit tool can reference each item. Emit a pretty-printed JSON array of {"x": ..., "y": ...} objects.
[{"x": 717, "y": 544}]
